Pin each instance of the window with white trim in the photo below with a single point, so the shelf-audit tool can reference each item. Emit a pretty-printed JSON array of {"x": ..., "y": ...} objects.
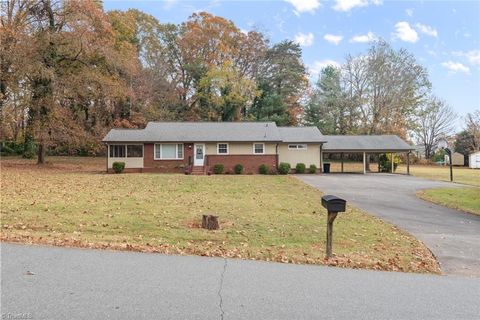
[
  {"x": 168, "y": 151},
  {"x": 297, "y": 147},
  {"x": 222, "y": 148},
  {"x": 259, "y": 148},
  {"x": 117, "y": 151}
]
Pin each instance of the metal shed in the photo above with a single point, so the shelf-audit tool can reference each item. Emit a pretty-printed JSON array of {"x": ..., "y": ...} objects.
[{"x": 366, "y": 144}]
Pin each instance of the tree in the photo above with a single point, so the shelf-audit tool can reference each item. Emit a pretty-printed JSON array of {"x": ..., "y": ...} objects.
[
  {"x": 472, "y": 126},
  {"x": 435, "y": 120},
  {"x": 326, "y": 108},
  {"x": 283, "y": 80}
]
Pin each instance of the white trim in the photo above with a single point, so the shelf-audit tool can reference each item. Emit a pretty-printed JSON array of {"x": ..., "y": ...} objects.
[
  {"x": 297, "y": 146},
  {"x": 228, "y": 148},
  {"x": 253, "y": 147},
  {"x": 198, "y": 162},
  {"x": 176, "y": 151}
]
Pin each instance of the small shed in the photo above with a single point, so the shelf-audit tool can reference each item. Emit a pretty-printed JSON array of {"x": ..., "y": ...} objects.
[
  {"x": 474, "y": 160},
  {"x": 458, "y": 159}
]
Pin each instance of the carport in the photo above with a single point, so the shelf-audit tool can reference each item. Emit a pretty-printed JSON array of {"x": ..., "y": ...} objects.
[{"x": 365, "y": 145}]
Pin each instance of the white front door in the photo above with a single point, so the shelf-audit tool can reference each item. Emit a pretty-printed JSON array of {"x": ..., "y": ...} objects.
[{"x": 199, "y": 156}]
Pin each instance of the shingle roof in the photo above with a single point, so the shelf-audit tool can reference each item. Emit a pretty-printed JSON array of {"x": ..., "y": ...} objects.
[
  {"x": 301, "y": 134},
  {"x": 198, "y": 131},
  {"x": 366, "y": 143}
]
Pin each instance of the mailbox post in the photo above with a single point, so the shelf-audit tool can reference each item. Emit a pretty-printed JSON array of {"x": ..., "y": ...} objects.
[{"x": 333, "y": 205}]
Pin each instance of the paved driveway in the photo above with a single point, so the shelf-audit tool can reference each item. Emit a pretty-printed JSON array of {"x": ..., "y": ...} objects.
[
  {"x": 453, "y": 236},
  {"x": 92, "y": 284}
]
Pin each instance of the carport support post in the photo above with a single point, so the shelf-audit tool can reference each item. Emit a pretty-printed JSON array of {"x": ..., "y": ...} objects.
[
  {"x": 341, "y": 157},
  {"x": 408, "y": 163},
  {"x": 364, "y": 163},
  {"x": 391, "y": 155}
]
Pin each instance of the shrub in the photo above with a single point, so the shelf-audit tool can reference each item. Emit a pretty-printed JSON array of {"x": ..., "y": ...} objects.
[
  {"x": 300, "y": 168},
  {"x": 263, "y": 169},
  {"x": 312, "y": 169},
  {"x": 30, "y": 149},
  {"x": 284, "y": 168},
  {"x": 238, "y": 169},
  {"x": 218, "y": 168},
  {"x": 385, "y": 161},
  {"x": 118, "y": 167}
]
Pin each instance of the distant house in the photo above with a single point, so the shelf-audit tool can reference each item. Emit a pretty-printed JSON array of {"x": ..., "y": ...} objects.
[
  {"x": 458, "y": 159},
  {"x": 474, "y": 160},
  {"x": 196, "y": 147}
]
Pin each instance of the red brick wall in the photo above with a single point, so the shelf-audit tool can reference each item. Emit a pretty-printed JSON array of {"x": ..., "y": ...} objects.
[
  {"x": 151, "y": 165},
  {"x": 250, "y": 162}
]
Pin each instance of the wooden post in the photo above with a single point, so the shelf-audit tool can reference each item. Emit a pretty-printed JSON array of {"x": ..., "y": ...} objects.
[
  {"x": 321, "y": 158},
  {"x": 341, "y": 157},
  {"x": 392, "y": 158},
  {"x": 378, "y": 162},
  {"x": 408, "y": 163},
  {"x": 364, "y": 164},
  {"x": 330, "y": 218}
]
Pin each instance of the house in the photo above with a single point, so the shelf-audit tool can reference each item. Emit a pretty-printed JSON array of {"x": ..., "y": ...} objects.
[
  {"x": 474, "y": 160},
  {"x": 458, "y": 159},
  {"x": 198, "y": 146}
]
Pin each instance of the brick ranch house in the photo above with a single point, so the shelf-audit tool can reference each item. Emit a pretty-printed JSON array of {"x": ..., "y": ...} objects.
[{"x": 197, "y": 146}]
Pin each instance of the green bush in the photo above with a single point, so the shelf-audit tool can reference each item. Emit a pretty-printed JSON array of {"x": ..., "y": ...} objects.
[
  {"x": 312, "y": 169},
  {"x": 439, "y": 156},
  {"x": 218, "y": 168},
  {"x": 118, "y": 167},
  {"x": 238, "y": 169},
  {"x": 263, "y": 169},
  {"x": 284, "y": 168},
  {"x": 29, "y": 149},
  {"x": 385, "y": 161},
  {"x": 300, "y": 168}
]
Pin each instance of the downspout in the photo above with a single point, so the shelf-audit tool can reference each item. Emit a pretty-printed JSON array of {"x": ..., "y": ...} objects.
[
  {"x": 276, "y": 153},
  {"x": 321, "y": 157},
  {"x": 108, "y": 154}
]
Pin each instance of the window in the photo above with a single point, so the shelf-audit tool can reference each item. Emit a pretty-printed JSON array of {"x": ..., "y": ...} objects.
[
  {"x": 117, "y": 151},
  {"x": 258, "y": 148},
  {"x": 222, "y": 148},
  {"x": 134, "y": 151},
  {"x": 297, "y": 147},
  {"x": 168, "y": 151}
]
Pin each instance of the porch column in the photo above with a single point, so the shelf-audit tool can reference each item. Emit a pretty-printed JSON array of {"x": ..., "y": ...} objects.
[
  {"x": 408, "y": 163},
  {"x": 364, "y": 164},
  {"x": 391, "y": 155}
]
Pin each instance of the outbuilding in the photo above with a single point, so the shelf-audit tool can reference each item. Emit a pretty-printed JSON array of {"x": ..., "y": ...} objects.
[{"x": 474, "y": 160}]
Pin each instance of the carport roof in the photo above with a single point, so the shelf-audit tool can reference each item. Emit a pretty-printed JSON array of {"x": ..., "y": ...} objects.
[{"x": 370, "y": 143}]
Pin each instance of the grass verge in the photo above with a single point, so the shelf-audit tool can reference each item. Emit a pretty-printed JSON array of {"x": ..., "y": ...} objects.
[
  {"x": 272, "y": 218},
  {"x": 464, "y": 199},
  {"x": 442, "y": 173}
]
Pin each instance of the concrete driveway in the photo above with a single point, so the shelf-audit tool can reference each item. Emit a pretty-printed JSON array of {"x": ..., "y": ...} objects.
[
  {"x": 453, "y": 236},
  {"x": 67, "y": 283}
]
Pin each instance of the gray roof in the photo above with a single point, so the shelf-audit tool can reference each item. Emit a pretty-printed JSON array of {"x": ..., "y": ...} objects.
[
  {"x": 383, "y": 143},
  {"x": 198, "y": 132},
  {"x": 301, "y": 134}
]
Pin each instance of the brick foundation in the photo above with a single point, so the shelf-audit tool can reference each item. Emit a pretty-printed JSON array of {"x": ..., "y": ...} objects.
[{"x": 250, "y": 163}]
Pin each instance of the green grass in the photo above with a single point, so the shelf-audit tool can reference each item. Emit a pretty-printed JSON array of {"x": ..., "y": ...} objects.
[
  {"x": 465, "y": 199},
  {"x": 273, "y": 218},
  {"x": 460, "y": 174}
]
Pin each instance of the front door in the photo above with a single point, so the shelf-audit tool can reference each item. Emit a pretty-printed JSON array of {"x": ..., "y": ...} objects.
[{"x": 199, "y": 154}]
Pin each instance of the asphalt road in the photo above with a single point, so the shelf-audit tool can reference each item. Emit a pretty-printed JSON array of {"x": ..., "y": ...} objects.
[
  {"x": 453, "y": 236},
  {"x": 60, "y": 283}
]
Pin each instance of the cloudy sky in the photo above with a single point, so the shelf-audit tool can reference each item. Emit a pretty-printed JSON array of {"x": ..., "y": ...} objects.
[{"x": 443, "y": 35}]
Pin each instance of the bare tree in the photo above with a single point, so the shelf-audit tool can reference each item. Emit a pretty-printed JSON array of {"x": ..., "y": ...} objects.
[
  {"x": 435, "y": 120},
  {"x": 472, "y": 126}
]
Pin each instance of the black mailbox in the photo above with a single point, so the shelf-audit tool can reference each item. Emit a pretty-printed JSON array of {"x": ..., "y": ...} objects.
[{"x": 333, "y": 203}]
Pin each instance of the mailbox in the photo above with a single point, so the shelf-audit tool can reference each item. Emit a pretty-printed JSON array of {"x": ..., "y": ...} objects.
[{"x": 333, "y": 203}]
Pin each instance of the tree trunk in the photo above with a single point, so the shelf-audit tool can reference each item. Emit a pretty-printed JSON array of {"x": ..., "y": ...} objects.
[
  {"x": 210, "y": 222},
  {"x": 41, "y": 153}
]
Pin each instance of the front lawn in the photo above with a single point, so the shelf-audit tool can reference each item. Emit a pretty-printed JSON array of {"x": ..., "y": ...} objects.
[
  {"x": 465, "y": 199},
  {"x": 273, "y": 218}
]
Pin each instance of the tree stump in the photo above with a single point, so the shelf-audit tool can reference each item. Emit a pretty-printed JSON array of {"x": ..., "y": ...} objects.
[{"x": 210, "y": 222}]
